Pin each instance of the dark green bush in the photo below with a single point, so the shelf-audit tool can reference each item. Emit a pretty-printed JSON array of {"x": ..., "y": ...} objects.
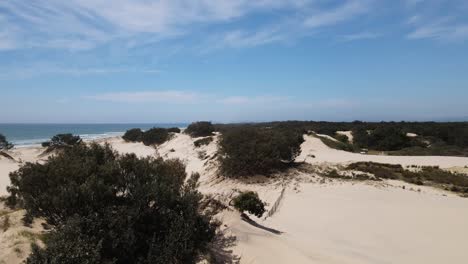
[
  {"x": 342, "y": 138},
  {"x": 173, "y": 130},
  {"x": 4, "y": 144},
  {"x": 107, "y": 208},
  {"x": 61, "y": 141},
  {"x": 155, "y": 136},
  {"x": 248, "y": 151},
  {"x": 133, "y": 135},
  {"x": 200, "y": 129},
  {"x": 203, "y": 141},
  {"x": 249, "y": 202}
]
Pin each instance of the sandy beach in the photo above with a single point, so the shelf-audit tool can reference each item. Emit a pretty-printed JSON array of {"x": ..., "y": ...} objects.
[{"x": 317, "y": 221}]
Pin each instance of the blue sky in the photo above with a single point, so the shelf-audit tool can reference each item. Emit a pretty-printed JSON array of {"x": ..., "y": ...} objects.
[{"x": 232, "y": 60}]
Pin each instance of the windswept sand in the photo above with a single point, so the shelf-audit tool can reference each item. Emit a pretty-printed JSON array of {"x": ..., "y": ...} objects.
[
  {"x": 323, "y": 154},
  {"x": 319, "y": 220}
]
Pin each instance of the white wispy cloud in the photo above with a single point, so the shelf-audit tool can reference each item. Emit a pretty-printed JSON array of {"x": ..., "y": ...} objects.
[
  {"x": 444, "y": 29},
  {"x": 360, "y": 36},
  {"x": 85, "y": 24},
  {"x": 167, "y": 96},
  {"x": 348, "y": 10}
]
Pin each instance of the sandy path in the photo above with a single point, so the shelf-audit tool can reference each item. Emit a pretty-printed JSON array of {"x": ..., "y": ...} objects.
[{"x": 314, "y": 146}]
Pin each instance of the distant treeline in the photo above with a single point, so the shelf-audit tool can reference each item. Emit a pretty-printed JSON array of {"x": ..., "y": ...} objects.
[{"x": 432, "y": 138}]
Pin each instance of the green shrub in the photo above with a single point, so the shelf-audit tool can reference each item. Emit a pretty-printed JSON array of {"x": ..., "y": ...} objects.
[
  {"x": 337, "y": 144},
  {"x": 203, "y": 141},
  {"x": 108, "y": 208},
  {"x": 200, "y": 129},
  {"x": 4, "y": 144},
  {"x": 342, "y": 138},
  {"x": 133, "y": 135},
  {"x": 173, "y": 130},
  {"x": 155, "y": 136},
  {"x": 248, "y": 151},
  {"x": 61, "y": 141},
  {"x": 249, "y": 202}
]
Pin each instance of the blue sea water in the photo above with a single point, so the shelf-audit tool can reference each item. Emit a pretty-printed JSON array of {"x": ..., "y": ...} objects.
[{"x": 22, "y": 135}]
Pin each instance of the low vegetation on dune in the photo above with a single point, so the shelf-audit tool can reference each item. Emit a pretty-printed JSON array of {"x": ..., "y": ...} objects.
[
  {"x": 249, "y": 202},
  {"x": 4, "y": 144},
  {"x": 109, "y": 208},
  {"x": 431, "y": 138},
  {"x": 452, "y": 181},
  {"x": 62, "y": 141},
  {"x": 203, "y": 141},
  {"x": 246, "y": 150},
  {"x": 133, "y": 135},
  {"x": 153, "y": 136},
  {"x": 200, "y": 129}
]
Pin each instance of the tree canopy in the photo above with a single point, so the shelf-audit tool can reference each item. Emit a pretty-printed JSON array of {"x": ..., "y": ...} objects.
[{"x": 108, "y": 208}]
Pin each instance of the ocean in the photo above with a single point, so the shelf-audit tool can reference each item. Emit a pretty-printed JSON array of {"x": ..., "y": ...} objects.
[{"x": 23, "y": 135}]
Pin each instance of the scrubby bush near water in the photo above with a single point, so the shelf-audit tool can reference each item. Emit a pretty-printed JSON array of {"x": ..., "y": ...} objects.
[
  {"x": 61, "y": 141},
  {"x": 4, "y": 144},
  {"x": 200, "y": 129},
  {"x": 153, "y": 136},
  {"x": 108, "y": 208}
]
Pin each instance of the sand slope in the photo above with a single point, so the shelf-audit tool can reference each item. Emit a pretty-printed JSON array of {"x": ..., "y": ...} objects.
[
  {"x": 319, "y": 220},
  {"x": 323, "y": 154}
]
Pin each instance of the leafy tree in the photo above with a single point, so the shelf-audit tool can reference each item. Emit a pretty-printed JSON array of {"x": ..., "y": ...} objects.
[
  {"x": 250, "y": 202},
  {"x": 155, "y": 136},
  {"x": 133, "y": 135},
  {"x": 4, "y": 144},
  {"x": 108, "y": 208},
  {"x": 200, "y": 129},
  {"x": 248, "y": 151}
]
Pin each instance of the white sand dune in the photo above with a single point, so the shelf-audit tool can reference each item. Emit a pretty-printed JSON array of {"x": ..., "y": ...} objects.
[
  {"x": 314, "y": 151},
  {"x": 321, "y": 221}
]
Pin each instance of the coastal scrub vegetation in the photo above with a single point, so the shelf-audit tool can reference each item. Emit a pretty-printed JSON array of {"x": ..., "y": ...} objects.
[
  {"x": 203, "y": 141},
  {"x": 249, "y": 202},
  {"x": 133, "y": 135},
  {"x": 200, "y": 129},
  {"x": 432, "y": 138},
  {"x": 452, "y": 181},
  {"x": 111, "y": 208},
  {"x": 153, "y": 136},
  {"x": 4, "y": 144},
  {"x": 247, "y": 150},
  {"x": 61, "y": 141}
]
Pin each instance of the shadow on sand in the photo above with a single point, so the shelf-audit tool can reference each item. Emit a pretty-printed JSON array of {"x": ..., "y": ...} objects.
[{"x": 257, "y": 225}]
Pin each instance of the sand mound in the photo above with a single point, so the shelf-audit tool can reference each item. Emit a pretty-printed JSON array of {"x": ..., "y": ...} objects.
[{"x": 314, "y": 151}]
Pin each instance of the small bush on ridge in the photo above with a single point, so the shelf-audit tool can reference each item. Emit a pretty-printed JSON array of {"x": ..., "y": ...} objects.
[
  {"x": 4, "y": 144},
  {"x": 203, "y": 141},
  {"x": 133, "y": 135},
  {"x": 249, "y": 202},
  {"x": 200, "y": 129}
]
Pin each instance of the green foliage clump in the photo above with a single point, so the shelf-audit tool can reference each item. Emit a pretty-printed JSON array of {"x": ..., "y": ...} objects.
[
  {"x": 342, "y": 138},
  {"x": 337, "y": 144},
  {"x": 430, "y": 175},
  {"x": 249, "y": 202},
  {"x": 248, "y": 151},
  {"x": 203, "y": 141},
  {"x": 108, "y": 208},
  {"x": 133, "y": 135},
  {"x": 62, "y": 140},
  {"x": 4, "y": 144},
  {"x": 155, "y": 136},
  {"x": 200, "y": 129},
  {"x": 173, "y": 130}
]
